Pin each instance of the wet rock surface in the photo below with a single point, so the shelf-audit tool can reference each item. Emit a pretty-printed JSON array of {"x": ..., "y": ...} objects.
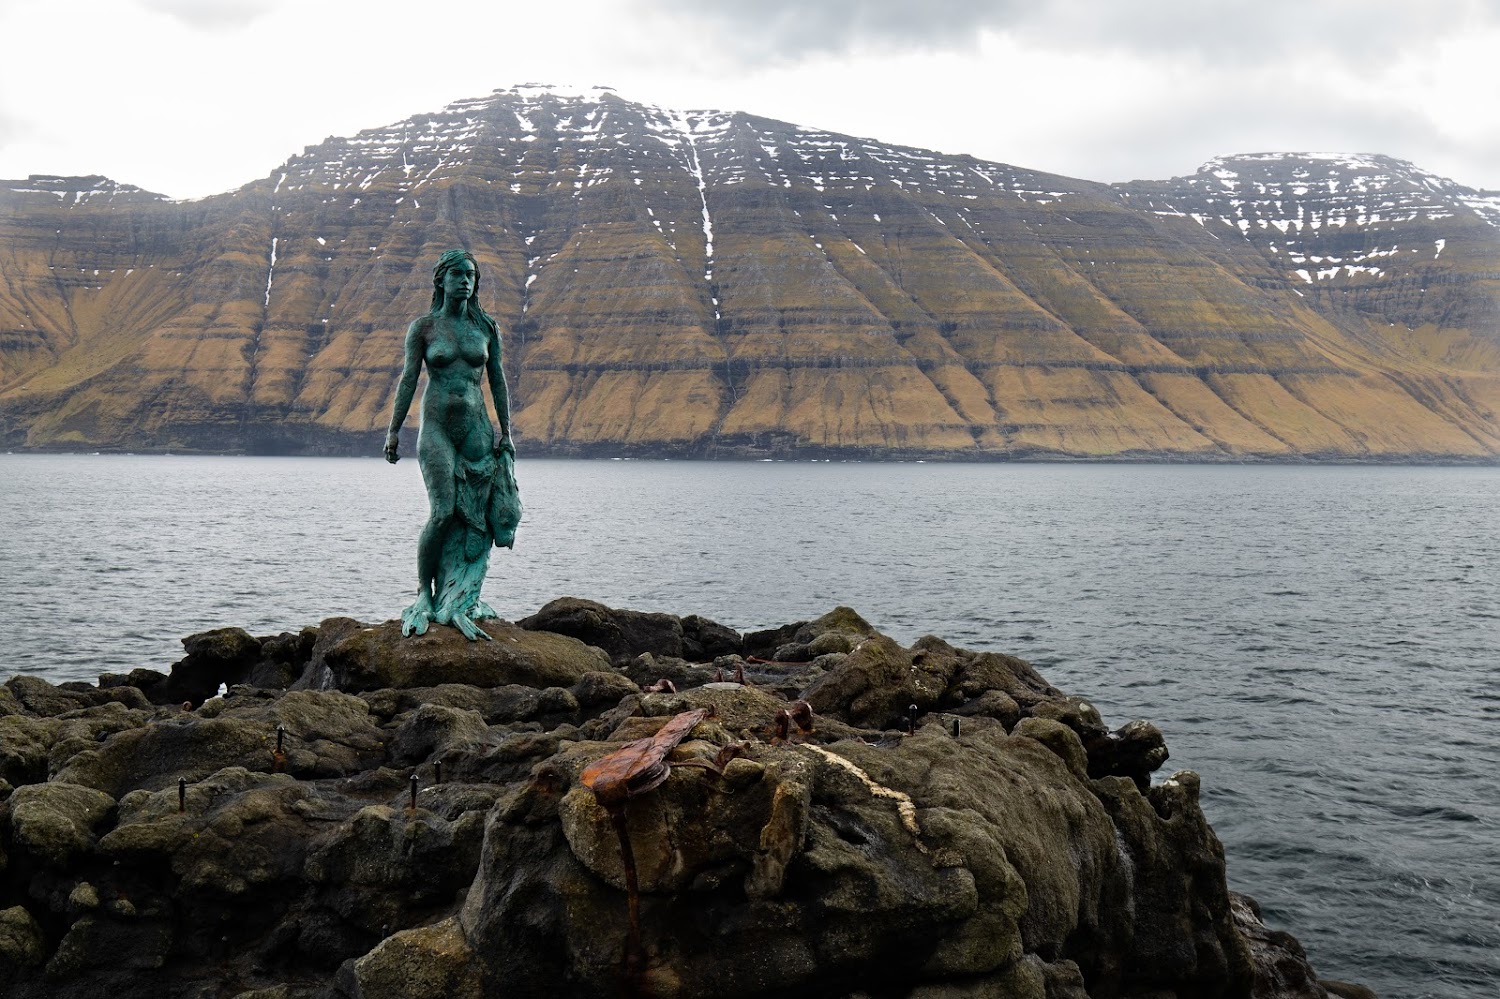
[{"x": 362, "y": 815}]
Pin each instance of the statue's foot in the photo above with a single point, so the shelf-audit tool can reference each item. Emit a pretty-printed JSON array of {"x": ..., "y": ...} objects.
[
  {"x": 482, "y": 612},
  {"x": 469, "y": 628},
  {"x": 416, "y": 618},
  {"x": 414, "y": 622}
]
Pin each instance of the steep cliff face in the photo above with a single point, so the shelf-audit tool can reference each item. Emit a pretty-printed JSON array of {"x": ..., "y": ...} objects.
[
  {"x": 710, "y": 283},
  {"x": 1405, "y": 264}
]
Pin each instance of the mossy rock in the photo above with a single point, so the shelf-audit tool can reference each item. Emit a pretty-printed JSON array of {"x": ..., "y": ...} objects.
[{"x": 379, "y": 657}]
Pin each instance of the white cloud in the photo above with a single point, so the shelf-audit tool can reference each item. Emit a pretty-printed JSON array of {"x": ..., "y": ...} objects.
[
  {"x": 194, "y": 98},
  {"x": 212, "y": 15}
]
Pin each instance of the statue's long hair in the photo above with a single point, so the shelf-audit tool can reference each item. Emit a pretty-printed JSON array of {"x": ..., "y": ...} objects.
[{"x": 472, "y": 310}]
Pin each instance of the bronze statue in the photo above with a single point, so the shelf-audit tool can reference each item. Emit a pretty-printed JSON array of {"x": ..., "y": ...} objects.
[{"x": 469, "y": 470}]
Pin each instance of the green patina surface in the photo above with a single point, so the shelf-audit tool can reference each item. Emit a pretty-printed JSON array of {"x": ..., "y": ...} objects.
[{"x": 469, "y": 470}]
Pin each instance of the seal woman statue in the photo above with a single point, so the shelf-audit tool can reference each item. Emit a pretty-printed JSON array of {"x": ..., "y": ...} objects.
[{"x": 468, "y": 470}]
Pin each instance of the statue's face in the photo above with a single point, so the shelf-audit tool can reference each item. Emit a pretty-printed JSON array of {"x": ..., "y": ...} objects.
[{"x": 459, "y": 280}]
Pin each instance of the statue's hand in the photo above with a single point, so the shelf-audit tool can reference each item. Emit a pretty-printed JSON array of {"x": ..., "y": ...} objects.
[
  {"x": 504, "y": 445},
  {"x": 392, "y": 448}
]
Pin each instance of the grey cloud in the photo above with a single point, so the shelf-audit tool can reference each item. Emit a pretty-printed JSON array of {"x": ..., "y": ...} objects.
[
  {"x": 786, "y": 30},
  {"x": 1173, "y": 141},
  {"x": 212, "y": 15},
  {"x": 1470, "y": 163},
  {"x": 1350, "y": 32},
  {"x": 11, "y": 129},
  {"x": 1356, "y": 32}
]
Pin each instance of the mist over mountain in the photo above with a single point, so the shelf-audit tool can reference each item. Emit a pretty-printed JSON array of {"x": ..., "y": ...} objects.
[{"x": 702, "y": 283}]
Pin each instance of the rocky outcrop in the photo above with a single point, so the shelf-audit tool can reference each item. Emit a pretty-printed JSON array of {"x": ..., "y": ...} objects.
[
  {"x": 427, "y": 818},
  {"x": 719, "y": 284}
]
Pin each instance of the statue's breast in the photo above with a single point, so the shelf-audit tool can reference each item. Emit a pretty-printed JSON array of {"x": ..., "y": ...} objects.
[
  {"x": 472, "y": 347},
  {"x": 441, "y": 353},
  {"x": 445, "y": 346}
]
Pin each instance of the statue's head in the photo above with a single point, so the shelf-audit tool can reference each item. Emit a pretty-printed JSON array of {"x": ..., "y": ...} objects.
[{"x": 446, "y": 262}]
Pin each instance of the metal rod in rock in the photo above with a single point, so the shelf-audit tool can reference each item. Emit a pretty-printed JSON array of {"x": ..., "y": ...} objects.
[{"x": 631, "y": 770}]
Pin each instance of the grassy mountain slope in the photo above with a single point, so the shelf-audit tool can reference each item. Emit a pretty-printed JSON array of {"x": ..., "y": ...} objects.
[{"x": 708, "y": 283}]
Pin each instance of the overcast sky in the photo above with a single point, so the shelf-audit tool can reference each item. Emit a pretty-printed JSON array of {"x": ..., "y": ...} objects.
[{"x": 194, "y": 97}]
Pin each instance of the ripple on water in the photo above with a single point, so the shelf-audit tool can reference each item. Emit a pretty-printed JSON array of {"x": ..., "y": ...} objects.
[{"x": 1319, "y": 643}]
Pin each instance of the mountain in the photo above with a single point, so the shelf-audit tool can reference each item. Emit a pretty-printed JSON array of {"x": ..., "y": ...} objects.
[{"x": 710, "y": 283}]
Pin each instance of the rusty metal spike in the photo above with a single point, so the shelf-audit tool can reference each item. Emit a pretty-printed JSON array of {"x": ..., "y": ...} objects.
[
  {"x": 783, "y": 726},
  {"x": 802, "y": 715},
  {"x": 728, "y": 753}
]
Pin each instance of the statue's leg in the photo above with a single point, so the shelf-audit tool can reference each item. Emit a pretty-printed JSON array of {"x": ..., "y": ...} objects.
[
  {"x": 458, "y": 590},
  {"x": 436, "y": 458}
]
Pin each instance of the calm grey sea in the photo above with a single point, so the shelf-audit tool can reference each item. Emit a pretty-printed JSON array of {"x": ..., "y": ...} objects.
[{"x": 1321, "y": 643}]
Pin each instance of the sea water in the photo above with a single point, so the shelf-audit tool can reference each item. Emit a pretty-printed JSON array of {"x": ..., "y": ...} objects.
[{"x": 1321, "y": 643}]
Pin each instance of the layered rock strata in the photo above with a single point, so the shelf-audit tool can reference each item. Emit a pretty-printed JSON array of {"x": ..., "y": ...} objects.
[
  {"x": 361, "y": 815},
  {"x": 719, "y": 284}
]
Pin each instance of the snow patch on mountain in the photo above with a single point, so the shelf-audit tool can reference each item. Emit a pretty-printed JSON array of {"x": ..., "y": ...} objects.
[{"x": 1338, "y": 211}]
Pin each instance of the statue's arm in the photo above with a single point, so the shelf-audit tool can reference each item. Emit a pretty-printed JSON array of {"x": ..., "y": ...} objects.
[
  {"x": 496, "y": 369},
  {"x": 406, "y": 389}
]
